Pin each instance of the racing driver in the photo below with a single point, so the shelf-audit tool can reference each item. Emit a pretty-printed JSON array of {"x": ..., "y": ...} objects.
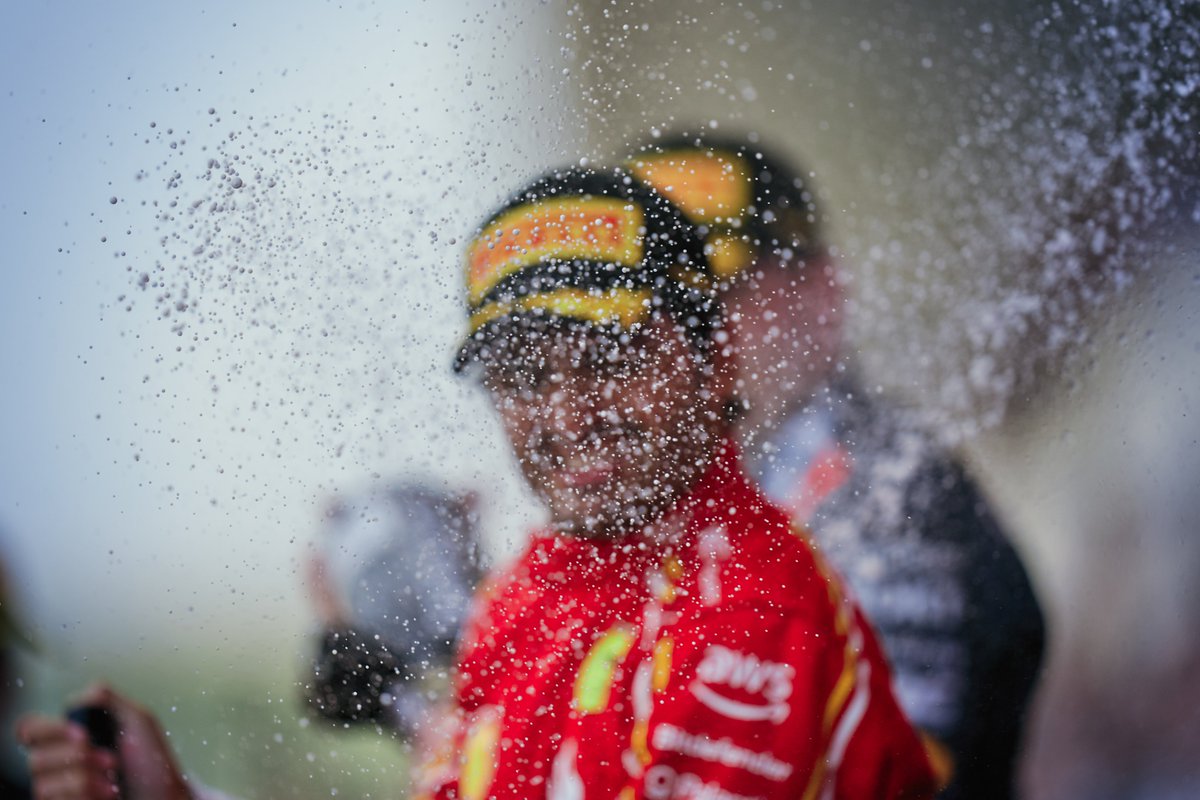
[{"x": 669, "y": 634}]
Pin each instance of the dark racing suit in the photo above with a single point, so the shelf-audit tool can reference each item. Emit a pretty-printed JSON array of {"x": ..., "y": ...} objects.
[{"x": 914, "y": 539}]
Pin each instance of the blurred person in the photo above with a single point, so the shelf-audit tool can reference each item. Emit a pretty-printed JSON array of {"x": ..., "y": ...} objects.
[
  {"x": 12, "y": 638},
  {"x": 391, "y": 588},
  {"x": 669, "y": 633},
  {"x": 899, "y": 518},
  {"x": 391, "y": 585}
]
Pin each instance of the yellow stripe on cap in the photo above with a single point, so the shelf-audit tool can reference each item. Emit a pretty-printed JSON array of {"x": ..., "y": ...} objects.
[
  {"x": 598, "y": 306},
  {"x": 590, "y": 228},
  {"x": 707, "y": 185},
  {"x": 728, "y": 254}
]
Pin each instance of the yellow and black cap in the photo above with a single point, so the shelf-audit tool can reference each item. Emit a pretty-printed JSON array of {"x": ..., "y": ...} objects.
[
  {"x": 742, "y": 199},
  {"x": 589, "y": 245}
]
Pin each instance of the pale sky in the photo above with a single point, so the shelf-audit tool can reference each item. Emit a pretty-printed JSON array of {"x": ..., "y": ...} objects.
[{"x": 156, "y": 482}]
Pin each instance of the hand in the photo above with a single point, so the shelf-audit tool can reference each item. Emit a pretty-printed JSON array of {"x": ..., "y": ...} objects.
[
  {"x": 63, "y": 763},
  {"x": 65, "y": 766}
]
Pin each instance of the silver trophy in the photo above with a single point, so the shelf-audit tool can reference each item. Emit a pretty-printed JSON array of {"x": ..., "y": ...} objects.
[{"x": 400, "y": 562}]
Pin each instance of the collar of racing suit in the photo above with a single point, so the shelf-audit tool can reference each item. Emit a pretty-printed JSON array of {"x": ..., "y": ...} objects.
[{"x": 593, "y": 561}]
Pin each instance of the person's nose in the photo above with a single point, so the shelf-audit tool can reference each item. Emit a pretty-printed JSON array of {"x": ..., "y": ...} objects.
[{"x": 572, "y": 408}]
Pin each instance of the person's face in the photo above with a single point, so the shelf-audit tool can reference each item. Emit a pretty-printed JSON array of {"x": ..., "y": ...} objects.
[
  {"x": 785, "y": 321},
  {"x": 609, "y": 431}
]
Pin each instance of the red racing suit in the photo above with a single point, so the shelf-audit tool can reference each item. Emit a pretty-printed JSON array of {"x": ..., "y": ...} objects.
[{"x": 720, "y": 662}]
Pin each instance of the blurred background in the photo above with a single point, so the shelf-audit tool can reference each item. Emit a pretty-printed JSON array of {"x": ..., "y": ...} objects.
[{"x": 232, "y": 241}]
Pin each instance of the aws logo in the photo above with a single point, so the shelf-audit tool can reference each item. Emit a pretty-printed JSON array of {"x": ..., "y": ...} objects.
[{"x": 743, "y": 686}]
